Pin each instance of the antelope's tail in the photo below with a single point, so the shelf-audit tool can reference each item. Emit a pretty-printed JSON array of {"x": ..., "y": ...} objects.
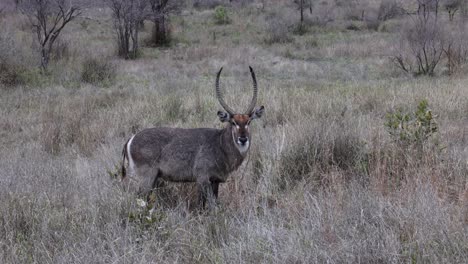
[{"x": 124, "y": 156}]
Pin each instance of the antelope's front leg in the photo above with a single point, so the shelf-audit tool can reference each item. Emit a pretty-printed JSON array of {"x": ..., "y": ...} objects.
[
  {"x": 215, "y": 188},
  {"x": 205, "y": 193}
]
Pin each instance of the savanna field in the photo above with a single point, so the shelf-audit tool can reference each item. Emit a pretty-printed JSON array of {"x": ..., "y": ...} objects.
[{"x": 361, "y": 155}]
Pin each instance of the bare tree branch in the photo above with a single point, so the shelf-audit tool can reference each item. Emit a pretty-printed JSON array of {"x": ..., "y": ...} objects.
[
  {"x": 48, "y": 18},
  {"x": 160, "y": 10},
  {"x": 128, "y": 15},
  {"x": 424, "y": 40}
]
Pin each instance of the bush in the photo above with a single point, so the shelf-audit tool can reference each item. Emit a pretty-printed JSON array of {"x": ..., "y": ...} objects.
[
  {"x": 422, "y": 45},
  {"x": 412, "y": 128},
  {"x": 221, "y": 15},
  {"x": 97, "y": 71},
  {"x": 427, "y": 41}
]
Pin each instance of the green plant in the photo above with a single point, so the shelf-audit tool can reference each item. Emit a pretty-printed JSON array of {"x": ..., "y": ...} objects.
[
  {"x": 115, "y": 173},
  {"x": 221, "y": 15},
  {"x": 143, "y": 215},
  {"x": 412, "y": 128}
]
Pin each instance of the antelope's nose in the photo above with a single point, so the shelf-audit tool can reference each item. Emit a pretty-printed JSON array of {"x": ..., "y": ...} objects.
[{"x": 243, "y": 140}]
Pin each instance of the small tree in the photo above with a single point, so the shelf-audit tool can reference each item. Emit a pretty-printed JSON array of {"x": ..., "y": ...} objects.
[
  {"x": 452, "y": 7},
  {"x": 426, "y": 7},
  {"x": 48, "y": 18},
  {"x": 422, "y": 42},
  {"x": 303, "y": 4},
  {"x": 160, "y": 10},
  {"x": 139, "y": 13},
  {"x": 128, "y": 16}
]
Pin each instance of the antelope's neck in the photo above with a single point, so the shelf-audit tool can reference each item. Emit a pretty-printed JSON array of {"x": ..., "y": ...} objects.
[{"x": 233, "y": 155}]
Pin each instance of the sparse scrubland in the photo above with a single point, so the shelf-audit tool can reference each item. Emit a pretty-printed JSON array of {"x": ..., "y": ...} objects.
[{"x": 355, "y": 161}]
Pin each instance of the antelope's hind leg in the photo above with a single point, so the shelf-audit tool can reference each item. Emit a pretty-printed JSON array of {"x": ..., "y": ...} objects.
[
  {"x": 155, "y": 194},
  {"x": 147, "y": 177}
]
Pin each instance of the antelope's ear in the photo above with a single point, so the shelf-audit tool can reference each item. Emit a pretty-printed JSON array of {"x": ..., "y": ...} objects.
[
  {"x": 257, "y": 112},
  {"x": 223, "y": 116}
]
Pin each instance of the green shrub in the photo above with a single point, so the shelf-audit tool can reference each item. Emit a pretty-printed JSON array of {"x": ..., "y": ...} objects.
[
  {"x": 142, "y": 215},
  {"x": 412, "y": 128},
  {"x": 221, "y": 15},
  {"x": 97, "y": 71}
]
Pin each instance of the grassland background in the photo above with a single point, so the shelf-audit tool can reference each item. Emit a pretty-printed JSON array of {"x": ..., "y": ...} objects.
[{"x": 324, "y": 181}]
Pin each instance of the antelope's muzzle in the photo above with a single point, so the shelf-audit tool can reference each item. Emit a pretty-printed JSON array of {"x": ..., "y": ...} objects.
[{"x": 243, "y": 140}]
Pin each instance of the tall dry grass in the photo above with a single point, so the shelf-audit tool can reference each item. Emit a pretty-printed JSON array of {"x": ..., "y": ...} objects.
[{"x": 324, "y": 180}]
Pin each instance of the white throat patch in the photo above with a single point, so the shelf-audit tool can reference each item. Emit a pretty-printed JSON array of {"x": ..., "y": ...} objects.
[{"x": 242, "y": 148}]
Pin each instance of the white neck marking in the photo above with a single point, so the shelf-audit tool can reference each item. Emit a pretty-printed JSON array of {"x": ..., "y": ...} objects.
[{"x": 242, "y": 148}]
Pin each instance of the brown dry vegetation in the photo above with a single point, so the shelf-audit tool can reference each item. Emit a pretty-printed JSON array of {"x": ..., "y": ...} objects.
[{"x": 324, "y": 182}]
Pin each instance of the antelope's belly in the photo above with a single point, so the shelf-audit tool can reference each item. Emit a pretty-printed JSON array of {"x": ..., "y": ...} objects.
[
  {"x": 219, "y": 178},
  {"x": 177, "y": 174}
]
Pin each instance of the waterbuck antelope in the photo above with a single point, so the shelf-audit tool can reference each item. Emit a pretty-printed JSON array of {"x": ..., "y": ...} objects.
[{"x": 203, "y": 155}]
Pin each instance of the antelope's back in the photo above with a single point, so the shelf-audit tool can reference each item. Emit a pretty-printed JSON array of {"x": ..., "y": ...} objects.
[{"x": 173, "y": 146}]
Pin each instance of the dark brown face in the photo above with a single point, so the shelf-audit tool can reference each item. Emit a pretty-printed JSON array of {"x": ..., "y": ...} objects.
[
  {"x": 240, "y": 130},
  {"x": 240, "y": 126},
  {"x": 239, "y": 123}
]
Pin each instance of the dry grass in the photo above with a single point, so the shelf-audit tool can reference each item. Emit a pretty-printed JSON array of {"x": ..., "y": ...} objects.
[{"x": 324, "y": 180}]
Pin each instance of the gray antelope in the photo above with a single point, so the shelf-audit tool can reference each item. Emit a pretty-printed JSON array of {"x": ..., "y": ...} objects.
[{"x": 203, "y": 155}]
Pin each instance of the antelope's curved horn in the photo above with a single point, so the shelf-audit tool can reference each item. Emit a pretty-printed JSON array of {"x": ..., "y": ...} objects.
[
  {"x": 220, "y": 96},
  {"x": 255, "y": 92}
]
